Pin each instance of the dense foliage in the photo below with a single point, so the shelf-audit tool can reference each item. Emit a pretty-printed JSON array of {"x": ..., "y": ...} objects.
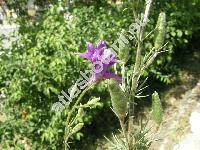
[{"x": 42, "y": 61}]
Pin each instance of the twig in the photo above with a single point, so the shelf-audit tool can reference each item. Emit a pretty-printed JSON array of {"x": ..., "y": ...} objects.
[{"x": 150, "y": 33}]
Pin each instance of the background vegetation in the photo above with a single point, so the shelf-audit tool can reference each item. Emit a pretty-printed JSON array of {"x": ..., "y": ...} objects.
[{"x": 41, "y": 62}]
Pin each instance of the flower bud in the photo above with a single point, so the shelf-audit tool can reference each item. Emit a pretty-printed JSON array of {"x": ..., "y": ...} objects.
[
  {"x": 160, "y": 31},
  {"x": 156, "y": 108},
  {"x": 118, "y": 98},
  {"x": 93, "y": 101},
  {"x": 80, "y": 113},
  {"x": 77, "y": 128}
]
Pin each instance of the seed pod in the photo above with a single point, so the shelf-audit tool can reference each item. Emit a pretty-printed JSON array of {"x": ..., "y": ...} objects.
[
  {"x": 160, "y": 31},
  {"x": 156, "y": 108},
  {"x": 118, "y": 98},
  {"x": 77, "y": 128}
]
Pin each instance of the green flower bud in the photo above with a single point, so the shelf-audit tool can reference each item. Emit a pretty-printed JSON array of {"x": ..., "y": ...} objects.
[
  {"x": 118, "y": 98},
  {"x": 80, "y": 113},
  {"x": 156, "y": 108},
  {"x": 93, "y": 101},
  {"x": 77, "y": 128},
  {"x": 160, "y": 31}
]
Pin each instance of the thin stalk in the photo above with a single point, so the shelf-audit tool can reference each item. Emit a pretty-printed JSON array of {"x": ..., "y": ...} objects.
[
  {"x": 72, "y": 110},
  {"x": 123, "y": 76},
  {"x": 136, "y": 71},
  {"x": 121, "y": 120}
]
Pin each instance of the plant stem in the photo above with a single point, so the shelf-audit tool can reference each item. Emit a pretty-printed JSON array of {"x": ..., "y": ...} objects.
[
  {"x": 137, "y": 68},
  {"x": 123, "y": 76},
  {"x": 121, "y": 120},
  {"x": 72, "y": 110}
]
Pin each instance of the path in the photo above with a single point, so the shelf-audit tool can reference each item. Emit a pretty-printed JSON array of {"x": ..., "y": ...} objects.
[{"x": 180, "y": 129}]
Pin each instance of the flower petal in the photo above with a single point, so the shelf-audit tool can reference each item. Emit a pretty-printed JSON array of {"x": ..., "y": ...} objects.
[
  {"x": 101, "y": 45},
  {"x": 90, "y": 47},
  {"x": 85, "y": 55},
  {"x": 109, "y": 75}
]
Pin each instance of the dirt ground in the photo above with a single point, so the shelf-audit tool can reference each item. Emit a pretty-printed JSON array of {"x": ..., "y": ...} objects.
[{"x": 181, "y": 100}]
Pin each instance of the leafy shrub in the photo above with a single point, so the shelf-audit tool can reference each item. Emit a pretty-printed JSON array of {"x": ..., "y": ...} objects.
[{"x": 40, "y": 64}]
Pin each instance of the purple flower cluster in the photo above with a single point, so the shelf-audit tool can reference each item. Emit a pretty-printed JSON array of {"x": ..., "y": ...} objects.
[{"x": 101, "y": 59}]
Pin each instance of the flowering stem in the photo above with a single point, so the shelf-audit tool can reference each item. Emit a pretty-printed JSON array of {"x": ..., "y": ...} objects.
[{"x": 71, "y": 112}]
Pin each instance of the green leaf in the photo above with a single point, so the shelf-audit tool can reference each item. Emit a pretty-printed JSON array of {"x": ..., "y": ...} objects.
[
  {"x": 118, "y": 98},
  {"x": 179, "y": 33}
]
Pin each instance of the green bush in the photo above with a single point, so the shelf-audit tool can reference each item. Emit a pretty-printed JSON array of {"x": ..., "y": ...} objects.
[{"x": 36, "y": 68}]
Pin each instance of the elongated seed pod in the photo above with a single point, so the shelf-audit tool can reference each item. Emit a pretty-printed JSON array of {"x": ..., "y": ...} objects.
[
  {"x": 77, "y": 128},
  {"x": 118, "y": 98},
  {"x": 160, "y": 31},
  {"x": 156, "y": 108}
]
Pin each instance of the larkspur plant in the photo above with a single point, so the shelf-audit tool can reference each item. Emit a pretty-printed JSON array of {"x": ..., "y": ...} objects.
[
  {"x": 123, "y": 91},
  {"x": 101, "y": 60}
]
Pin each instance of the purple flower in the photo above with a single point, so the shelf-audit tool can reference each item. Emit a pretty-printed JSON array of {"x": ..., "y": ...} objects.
[{"x": 102, "y": 59}]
